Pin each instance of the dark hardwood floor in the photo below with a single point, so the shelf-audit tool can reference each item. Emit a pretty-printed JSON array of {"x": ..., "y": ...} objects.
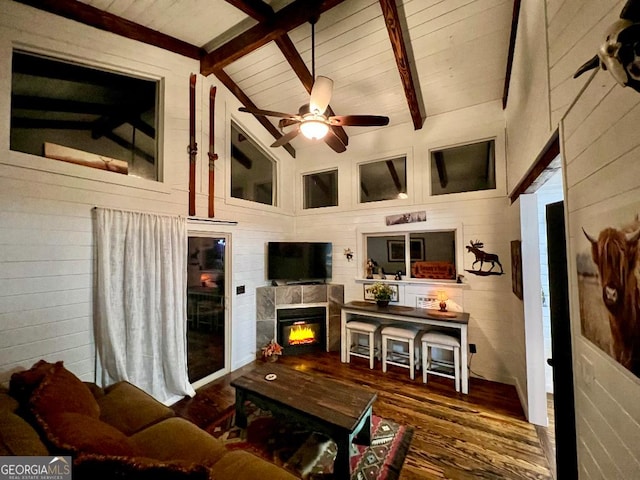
[{"x": 483, "y": 435}]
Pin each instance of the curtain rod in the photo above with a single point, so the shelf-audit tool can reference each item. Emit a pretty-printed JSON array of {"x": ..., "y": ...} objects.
[
  {"x": 192, "y": 219},
  {"x": 212, "y": 220}
]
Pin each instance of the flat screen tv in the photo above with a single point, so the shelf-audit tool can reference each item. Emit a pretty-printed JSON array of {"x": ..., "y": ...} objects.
[{"x": 299, "y": 261}]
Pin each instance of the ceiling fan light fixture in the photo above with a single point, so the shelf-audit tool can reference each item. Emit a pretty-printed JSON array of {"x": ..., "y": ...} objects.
[{"x": 314, "y": 128}]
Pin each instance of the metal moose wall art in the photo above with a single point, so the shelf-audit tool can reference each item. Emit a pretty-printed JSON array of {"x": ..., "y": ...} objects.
[{"x": 483, "y": 257}]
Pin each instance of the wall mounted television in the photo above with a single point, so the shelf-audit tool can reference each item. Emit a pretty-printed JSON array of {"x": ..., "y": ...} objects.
[{"x": 299, "y": 261}]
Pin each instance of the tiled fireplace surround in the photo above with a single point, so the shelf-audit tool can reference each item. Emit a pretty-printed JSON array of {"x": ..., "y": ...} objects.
[{"x": 271, "y": 299}]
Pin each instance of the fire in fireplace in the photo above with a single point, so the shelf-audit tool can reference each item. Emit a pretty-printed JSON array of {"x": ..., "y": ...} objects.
[{"x": 301, "y": 330}]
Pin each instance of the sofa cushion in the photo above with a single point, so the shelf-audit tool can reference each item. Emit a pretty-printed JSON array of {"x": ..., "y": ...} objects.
[
  {"x": 22, "y": 384},
  {"x": 18, "y": 437},
  {"x": 7, "y": 402},
  {"x": 178, "y": 439},
  {"x": 130, "y": 409},
  {"x": 103, "y": 467},
  {"x": 61, "y": 391},
  {"x": 241, "y": 464},
  {"x": 77, "y": 434}
]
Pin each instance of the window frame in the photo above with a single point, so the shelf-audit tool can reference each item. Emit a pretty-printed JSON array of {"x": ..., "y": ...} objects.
[
  {"x": 499, "y": 137},
  {"x": 407, "y": 230},
  {"x": 303, "y": 190},
  {"x": 385, "y": 158},
  {"x": 276, "y": 174},
  {"x": 90, "y": 64},
  {"x": 430, "y": 160},
  {"x": 43, "y": 164}
]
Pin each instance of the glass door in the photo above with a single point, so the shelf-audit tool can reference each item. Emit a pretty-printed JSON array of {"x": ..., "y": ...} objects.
[{"x": 206, "y": 306}]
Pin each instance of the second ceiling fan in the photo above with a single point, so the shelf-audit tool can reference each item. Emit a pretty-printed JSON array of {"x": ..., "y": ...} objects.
[{"x": 312, "y": 119}]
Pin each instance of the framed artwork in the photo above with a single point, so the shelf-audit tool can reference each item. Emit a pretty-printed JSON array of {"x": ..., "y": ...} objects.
[
  {"x": 395, "y": 250},
  {"x": 606, "y": 284},
  {"x": 516, "y": 268},
  {"x": 406, "y": 218},
  {"x": 368, "y": 295}
]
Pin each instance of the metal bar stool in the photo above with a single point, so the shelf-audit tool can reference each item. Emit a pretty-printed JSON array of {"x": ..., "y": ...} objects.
[
  {"x": 404, "y": 335},
  {"x": 371, "y": 330},
  {"x": 443, "y": 368}
]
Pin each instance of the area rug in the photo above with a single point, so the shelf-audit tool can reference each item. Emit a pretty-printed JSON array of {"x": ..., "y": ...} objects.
[{"x": 310, "y": 455}]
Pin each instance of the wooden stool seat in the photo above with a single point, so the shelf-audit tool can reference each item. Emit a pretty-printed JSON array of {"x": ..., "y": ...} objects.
[
  {"x": 371, "y": 330},
  {"x": 402, "y": 335},
  {"x": 442, "y": 368}
]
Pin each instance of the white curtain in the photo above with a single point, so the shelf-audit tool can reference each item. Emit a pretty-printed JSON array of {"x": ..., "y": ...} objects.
[{"x": 140, "y": 311}]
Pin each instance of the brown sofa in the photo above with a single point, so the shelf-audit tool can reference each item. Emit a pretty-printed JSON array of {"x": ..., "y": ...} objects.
[{"x": 117, "y": 432}]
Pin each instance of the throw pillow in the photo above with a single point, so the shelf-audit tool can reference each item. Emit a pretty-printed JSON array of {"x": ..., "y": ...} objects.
[
  {"x": 22, "y": 384},
  {"x": 103, "y": 467},
  {"x": 61, "y": 391},
  {"x": 77, "y": 434}
]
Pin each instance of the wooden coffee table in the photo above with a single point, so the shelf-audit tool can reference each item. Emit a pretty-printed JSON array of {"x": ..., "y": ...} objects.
[{"x": 343, "y": 412}]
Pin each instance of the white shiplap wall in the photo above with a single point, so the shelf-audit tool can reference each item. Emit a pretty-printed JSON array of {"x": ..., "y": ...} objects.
[
  {"x": 602, "y": 188},
  {"x": 602, "y": 159},
  {"x": 480, "y": 215},
  {"x": 46, "y": 238}
]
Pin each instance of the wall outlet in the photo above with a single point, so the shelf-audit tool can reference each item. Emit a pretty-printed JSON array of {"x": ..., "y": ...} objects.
[
  {"x": 239, "y": 289},
  {"x": 472, "y": 348}
]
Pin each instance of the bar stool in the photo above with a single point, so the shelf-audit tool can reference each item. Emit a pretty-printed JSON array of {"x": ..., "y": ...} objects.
[
  {"x": 444, "y": 368},
  {"x": 404, "y": 335},
  {"x": 357, "y": 328}
]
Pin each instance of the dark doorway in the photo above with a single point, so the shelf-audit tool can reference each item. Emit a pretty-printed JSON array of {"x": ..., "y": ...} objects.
[
  {"x": 564, "y": 412},
  {"x": 206, "y": 309}
]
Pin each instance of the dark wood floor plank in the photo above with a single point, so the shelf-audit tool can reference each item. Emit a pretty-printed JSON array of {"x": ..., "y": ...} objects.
[{"x": 483, "y": 435}]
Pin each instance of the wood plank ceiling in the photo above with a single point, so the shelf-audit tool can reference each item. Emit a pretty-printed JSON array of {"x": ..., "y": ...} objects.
[{"x": 405, "y": 59}]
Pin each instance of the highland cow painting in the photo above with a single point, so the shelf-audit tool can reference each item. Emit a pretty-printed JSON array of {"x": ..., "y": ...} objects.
[{"x": 608, "y": 267}]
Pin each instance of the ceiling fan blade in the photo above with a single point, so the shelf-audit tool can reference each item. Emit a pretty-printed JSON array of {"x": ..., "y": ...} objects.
[
  {"x": 285, "y": 122},
  {"x": 359, "y": 120},
  {"x": 286, "y": 138},
  {"x": 267, "y": 113},
  {"x": 334, "y": 142},
  {"x": 321, "y": 94}
]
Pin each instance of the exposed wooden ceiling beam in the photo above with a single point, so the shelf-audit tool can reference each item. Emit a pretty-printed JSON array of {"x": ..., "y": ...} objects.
[
  {"x": 512, "y": 48},
  {"x": 394, "y": 175},
  {"x": 394, "y": 27},
  {"x": 254, "y": 8},
  {"x": 262, "y": 12},
  {"x": 286, "y": 19},
  {"x": 441, "y": 167},
  {"x": 241, "y": 158},
  {"x": 246, "y": 101},
  {"x": 94, "y": 17}
]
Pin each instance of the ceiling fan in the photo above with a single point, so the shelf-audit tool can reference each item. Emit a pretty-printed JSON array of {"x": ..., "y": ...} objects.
[{"x": 312, "y": 119}]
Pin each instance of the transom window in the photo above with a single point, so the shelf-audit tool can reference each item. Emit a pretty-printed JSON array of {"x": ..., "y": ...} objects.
[
  {"x": 253, "y": 172},
  {"x": 83, "y": 115},
  {"x": 383, "y": 180},
  {"x": 466, "y": 168},
  {"x": 320, "y": 189},
  {"x": 431, "y": 255}
]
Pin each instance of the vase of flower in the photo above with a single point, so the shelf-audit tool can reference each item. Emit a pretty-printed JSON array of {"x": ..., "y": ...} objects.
[
  {"x": 382, "y": 293},
  {"x": 271, "y": 351}
]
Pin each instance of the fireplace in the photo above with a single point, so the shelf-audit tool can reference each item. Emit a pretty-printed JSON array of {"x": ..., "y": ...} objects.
[{"x": 302, "y": 330}]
